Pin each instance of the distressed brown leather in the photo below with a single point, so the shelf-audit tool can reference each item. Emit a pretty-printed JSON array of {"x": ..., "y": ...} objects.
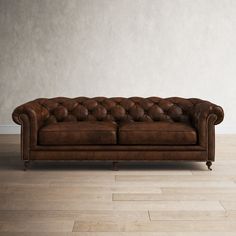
[
  {"x": 78, "y": 133},
  {"x": 196, "y": 116},
  {"x": 157, "y": 133}
]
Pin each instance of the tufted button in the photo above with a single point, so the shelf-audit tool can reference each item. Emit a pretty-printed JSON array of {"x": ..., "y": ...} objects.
[
  {"x": 146, "y": 104},
  {"x": 90, "y": 104},
  {"x": 70, "y": 104},
  {"x": 175, "y": 113},
  {"x": 50, "y": 105},
  {"x": 118, "y": 112},
  {"x": 155, "y": 112},
  {"x": 99, "y": 112},
  {"x": 108, "y": 104},
  {"x": 165, "y": 104},
  {"x": 60, "y": 113},
  {"x": 80, "y": 112},
  {"x": 126, "y": 103},
  {"x": 136, "y": 112}
]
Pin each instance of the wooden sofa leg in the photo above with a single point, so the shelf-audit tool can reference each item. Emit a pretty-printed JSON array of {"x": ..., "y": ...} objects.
[
  {"x": 26, "y": 165},
  {"x": 115, "y": 165},
  {"x": 209, "y": 163}
]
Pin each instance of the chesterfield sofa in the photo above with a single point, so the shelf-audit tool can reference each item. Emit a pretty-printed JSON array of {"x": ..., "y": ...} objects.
[{"x": 118, "y": 129}]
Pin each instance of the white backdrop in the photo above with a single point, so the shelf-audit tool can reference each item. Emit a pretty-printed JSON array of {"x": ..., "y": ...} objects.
[{"x": 118, "y": 48}]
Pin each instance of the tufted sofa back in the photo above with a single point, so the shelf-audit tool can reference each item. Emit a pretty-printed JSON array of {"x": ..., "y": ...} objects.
[{"x": 117, "y": 109}]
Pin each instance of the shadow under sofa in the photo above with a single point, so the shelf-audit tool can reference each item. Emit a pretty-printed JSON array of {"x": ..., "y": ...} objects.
[{"x": 136, "y": 128}]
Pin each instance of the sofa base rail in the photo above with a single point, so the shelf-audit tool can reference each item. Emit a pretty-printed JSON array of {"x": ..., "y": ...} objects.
[
  {"x": 116, "y": 156},
  {"x": 27, "y": 164},
  {"x": 119, "y": 155}
]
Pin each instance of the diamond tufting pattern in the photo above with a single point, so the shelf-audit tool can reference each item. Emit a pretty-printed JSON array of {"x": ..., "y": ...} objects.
[{"x": 117, "y": 109}]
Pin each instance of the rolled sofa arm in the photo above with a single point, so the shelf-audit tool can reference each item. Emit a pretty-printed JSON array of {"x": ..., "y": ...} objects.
[
  {"x": 31, "y": 117},
  {"x": 203, "y": 109},
  {"x": 204, "y": 116}
]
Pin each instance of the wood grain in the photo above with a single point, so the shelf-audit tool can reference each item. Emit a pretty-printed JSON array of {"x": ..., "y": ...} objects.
[{"x": 89, "y": 199}]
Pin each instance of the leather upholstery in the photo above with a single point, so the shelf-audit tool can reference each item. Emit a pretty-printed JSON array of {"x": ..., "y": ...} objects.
[
  {"x": 39, "y": 115},
  {"x": 46, "y": 111},
  {"x": 116, "y": 109},
  {"x": 157, "y": 133},
  {"x": 78, "y": 133}
]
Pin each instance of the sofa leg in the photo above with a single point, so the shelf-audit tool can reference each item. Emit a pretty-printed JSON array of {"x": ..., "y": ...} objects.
[
  {"x": 26, "y": 165},
  {"x": 209, "y": 163},
  {"x": 115, "y": 165}
]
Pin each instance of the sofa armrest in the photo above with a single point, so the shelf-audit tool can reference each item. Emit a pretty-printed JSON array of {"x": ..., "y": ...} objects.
[
  {"x": 31, "y": 117},
  {"x": 204, "y": 116}
]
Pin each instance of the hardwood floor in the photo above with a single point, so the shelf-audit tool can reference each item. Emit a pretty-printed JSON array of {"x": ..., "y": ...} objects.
[{"x": 141, "y": 199}]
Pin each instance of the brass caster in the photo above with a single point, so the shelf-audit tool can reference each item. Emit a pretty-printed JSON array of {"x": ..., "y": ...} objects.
[
  {"x": 26, "y": 165},
  {"x": 115, "y": 165},
  {"x": 209, "y": 163}
]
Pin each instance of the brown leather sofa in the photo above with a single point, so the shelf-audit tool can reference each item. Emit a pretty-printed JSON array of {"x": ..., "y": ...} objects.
[{"x": 118, "y": 129}]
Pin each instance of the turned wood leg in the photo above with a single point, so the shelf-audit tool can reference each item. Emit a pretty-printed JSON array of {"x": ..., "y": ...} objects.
[
  {"x": 209, "y": 163},
  {"x": 26, "y": 165},
  {"x": 115, "y": 165}
]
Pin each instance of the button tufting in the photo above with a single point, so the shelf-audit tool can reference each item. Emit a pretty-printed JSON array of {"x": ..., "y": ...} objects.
[{"x": 116, "y": 109}]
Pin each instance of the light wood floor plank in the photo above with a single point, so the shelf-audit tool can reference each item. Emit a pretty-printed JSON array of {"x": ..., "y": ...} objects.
[
  {"x": 193, "y": 191},
  {"x": 15, "y": 189},
  {"x": 36, "y": 226},
  {"x": 54, "y": 205},
  {"x": 72, "y": 215},
  {"x": 180, "y": 184},
  {"x": 155, "y": 226},
  {"x": 60, "y": 196},
  {"x": 173, "y": 196},
  {"x": 115, "y": 205},
  {"x": 177, "y": 178},
  {"x": 192, "y": 215},
  {"x": 168, "y": 205}
]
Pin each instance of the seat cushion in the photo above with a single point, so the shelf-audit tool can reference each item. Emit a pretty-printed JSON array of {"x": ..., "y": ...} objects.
[
  {"x": 78, "y": 133},
  {"x": 157, "y": 133}
]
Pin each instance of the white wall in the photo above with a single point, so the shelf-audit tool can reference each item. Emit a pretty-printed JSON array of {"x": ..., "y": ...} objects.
[{"x": 118, "y": 48}]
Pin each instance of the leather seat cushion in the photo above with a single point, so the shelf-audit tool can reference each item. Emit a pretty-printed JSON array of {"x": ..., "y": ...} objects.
[
  {"x": 78, "y": 133},
  {"x": 157, "y": 133}
]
